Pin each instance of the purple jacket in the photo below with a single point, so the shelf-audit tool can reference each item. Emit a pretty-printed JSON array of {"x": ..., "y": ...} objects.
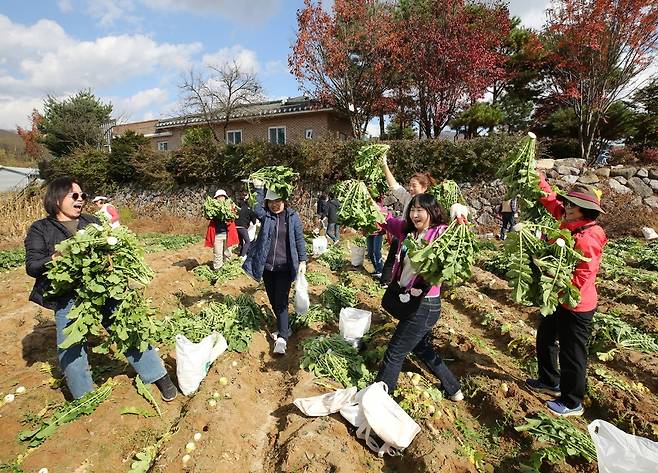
[{"x": 395, "y": 226}]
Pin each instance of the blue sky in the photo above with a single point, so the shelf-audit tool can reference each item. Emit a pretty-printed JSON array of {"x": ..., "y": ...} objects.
[{"x": 133, "y": 53}]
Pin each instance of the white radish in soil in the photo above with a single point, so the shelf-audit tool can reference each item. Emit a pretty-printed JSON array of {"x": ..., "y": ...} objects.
[
  {"x": 234, "y": 364},
  {"x": 20, "y": 390},
  {"x": 223, "y": 381},
  {"x": 10, "y": 398},
  {"x": 212, "y": 403},
  {"x": 186, "y": 458},
  {"x": 190, "y": 447},
  {"x": 197, "y": 436},
  {"x": 43, "y": 470}
]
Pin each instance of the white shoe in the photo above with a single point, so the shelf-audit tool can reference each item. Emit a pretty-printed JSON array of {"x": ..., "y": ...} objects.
[
  {"x": 280, "y": 346},
  {"x": 243, "y": 258},
  {"x": 274, "y": 335},
  {"x": 458, "y": 396}
]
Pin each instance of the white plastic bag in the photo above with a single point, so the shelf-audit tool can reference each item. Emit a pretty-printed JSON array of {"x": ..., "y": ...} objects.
[
  {"x": 325, "y": 404},
  {"x": 252, "y": 231},
  {"x": 301, "y": 295},
  {"x": 320, "y": 245},
  {"x": 383, "y": 416},
  {"x": 619, "y": 452},
  {"x": 353, "y": 323},
  {"x": 649, "y": 233},
  {"x": 358, "y": 255},
  {"x": 193, "y": 360}
]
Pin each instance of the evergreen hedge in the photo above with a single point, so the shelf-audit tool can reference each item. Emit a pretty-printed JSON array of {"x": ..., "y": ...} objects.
[{"x": 320, "y": 163}]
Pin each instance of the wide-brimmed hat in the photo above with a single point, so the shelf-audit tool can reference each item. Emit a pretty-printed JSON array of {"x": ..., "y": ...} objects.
[
  {"x": 99, "y": 198},
  {"x": 271, "y": 195},
  {"x": 220, "y": 193},
  {"x": 584, "y": 196}
]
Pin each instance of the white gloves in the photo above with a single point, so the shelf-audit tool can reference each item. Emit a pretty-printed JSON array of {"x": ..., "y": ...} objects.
[
  {"x": 258, "y": 184},
  {"x": 302, "y": 267},
  {"x": 459, "y": 212}
]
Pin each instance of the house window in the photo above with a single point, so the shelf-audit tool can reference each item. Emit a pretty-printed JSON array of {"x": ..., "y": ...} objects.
[
  {"x": 309, "y": 133},
  {"x": 234, "y": 137},
  {"x": 277, "y": 134},
  {"x": 162, "y": 145}
]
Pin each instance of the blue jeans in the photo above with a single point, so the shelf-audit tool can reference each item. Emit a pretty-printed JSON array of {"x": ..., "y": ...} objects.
[
  {"x": 73, "y": 361},
  {"x": 413, "y": 334},
  {"x": 374, "y": 244},
  {"x": 333, "y": 232}
]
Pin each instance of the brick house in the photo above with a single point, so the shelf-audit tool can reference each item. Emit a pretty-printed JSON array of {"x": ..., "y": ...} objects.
[{"x": 278, "y": 121}]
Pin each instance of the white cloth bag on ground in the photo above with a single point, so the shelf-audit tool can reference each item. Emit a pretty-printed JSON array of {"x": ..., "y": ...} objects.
[
  {"x": 193, "y": 360},
  {"x": 358, "y": 255},
  {"x": 325, "y": 404},
  {"x": 386, "y": 419},
  {"x": 320, "y": 245},
  {"x": 353, "y": 323},
  {"x": 619, "y": 452},
  {"x": 301, "y": 295}
]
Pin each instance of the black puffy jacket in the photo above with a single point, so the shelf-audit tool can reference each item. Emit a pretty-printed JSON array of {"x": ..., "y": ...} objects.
[{"x": 40, "y": 243}]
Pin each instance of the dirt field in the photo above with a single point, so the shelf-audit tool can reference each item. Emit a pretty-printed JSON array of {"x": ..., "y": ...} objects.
[{"x": 254, "y": 427}]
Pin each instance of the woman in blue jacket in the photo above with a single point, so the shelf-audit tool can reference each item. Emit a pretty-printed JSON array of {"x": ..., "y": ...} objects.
[{"x": 277, "y": 256}]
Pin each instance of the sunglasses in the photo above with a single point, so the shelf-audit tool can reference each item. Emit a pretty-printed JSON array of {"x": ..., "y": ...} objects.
[{"x": 77, "y": 195}]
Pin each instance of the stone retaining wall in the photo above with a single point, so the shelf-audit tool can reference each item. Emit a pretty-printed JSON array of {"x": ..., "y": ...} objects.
[{"x": 482, "y": 197}]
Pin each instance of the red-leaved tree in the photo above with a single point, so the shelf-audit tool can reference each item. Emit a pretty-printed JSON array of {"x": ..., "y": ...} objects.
[
  {"x": 338, "y": 57},
  {"x": 448, "y": 53},
  {"x": 597, "y": 50},
  {"x": 31, "y": 137}
]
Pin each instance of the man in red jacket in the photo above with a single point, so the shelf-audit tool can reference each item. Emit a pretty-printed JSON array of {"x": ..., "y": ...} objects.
[{"x": 571, "y": 326}]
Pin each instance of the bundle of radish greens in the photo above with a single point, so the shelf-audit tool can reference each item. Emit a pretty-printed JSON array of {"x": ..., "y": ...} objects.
[
  {"x": 448, "y": 258},
  {"x": 103, "y": 270},
  {"x": 357, "y": 209},
  {"x": 222, "y": 210}
]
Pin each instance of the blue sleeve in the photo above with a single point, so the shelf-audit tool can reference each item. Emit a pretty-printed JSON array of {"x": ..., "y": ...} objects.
[
  {"x": 299, "y": 239},
  {"x": 259, "y": 208}
]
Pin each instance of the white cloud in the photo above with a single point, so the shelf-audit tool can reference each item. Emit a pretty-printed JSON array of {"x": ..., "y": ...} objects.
[
  {"x": 531, "y": 12},
  {"x": 252, "y": 11},
  {"x": 245, "y": 58},
  {"x": 106, "y": 12},
  {"x": 42, "y": 59},
  {"x": 65, "y": 5},
  {"x": 16, "y": 111},
  {"x": 140, "y": 104}
]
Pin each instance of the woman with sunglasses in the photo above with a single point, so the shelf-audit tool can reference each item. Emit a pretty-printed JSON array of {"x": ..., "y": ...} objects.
[
  {"x": 571, "y": 326},
  {"x": 63, "y": 203}
]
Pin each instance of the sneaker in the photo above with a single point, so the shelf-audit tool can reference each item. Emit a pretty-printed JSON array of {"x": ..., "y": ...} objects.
[
  {"x": 243, "y": 258},
  {"x": 168, "y": 391},
  {"x": 280, "y": 346},
  {"x": 458, "y": 396},
  {"x": 556, "y": 407},
  {"x": 376, "y": 275},
  {"x": 540, "y": 387}
]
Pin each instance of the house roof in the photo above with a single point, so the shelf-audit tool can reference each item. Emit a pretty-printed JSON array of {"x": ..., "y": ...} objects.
[{"x": 273, "y": 107}]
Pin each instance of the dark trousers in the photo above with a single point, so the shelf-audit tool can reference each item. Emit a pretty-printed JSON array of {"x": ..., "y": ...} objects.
[
  {"x": 413, "y": 334},
  {"x": 387, "y": 272},
  {"x": 572, "y": 330},
  {"x": 245, "y": 241},
  {"x": 374, "y": 245},
  {"x": 508, "y": 223},
  {"x": 277, "y": 286}
]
